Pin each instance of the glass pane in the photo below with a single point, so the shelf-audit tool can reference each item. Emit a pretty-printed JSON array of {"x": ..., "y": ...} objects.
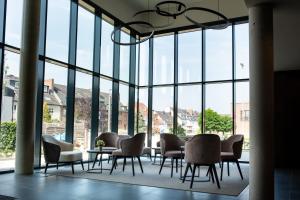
[
  {"x": 137, "y": 65},
  {"x": 58, "y": 20},
  {"x": 189, "y": 110},
  {"x": 9, "y": 106},
  {"x": 14, "y": 17},
  {"x": 54, "y": 104},
  {"x": 218, "y": 54},
  {"x": 242, "y": 115},
  {"x": 190, "y": 57},
  {"x": 218, "y": 109},
  {"x": 242, "y": 50},
  {"x": 82, "y": 112},
  {"x": 105, "y": 105},
  {"x": 163, "y": 60},
  {"x": 123, "y": 110},
  {"x": 144, "y": 63},
  {"x": 124, "y": 57},
  {"x": 85, "y": 39},
  {"x": 107, "y": 47},
  {"x": 135, "y": 110},
  {"x": 162, "y": 115},
  {"x": 143, "y": 110}
]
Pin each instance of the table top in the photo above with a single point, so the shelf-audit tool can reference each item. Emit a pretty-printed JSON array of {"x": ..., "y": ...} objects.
[{"x": 103, "y": 150}]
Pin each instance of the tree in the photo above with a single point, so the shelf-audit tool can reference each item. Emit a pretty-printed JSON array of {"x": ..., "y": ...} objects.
[
  {"x": 141, "y": 123},
  {"x": 215, "y": 122},
  {"x": 46, "y": 113},
  {"x": 7, "y": 137},
  {"x": 83, "y": 111},
  {"x": 180, "y": 131}
]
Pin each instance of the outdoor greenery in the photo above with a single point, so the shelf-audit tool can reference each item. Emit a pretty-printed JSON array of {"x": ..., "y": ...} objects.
[
  {"x": 46, "y": 113},
  {"x": 142, "y": 124},
  {"x": 180, "y": 131},
  {"x": 215, "y": 122},
  {"x": 7, "y": 137}
]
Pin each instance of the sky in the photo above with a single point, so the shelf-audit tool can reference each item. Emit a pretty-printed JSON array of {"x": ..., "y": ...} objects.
[{"x": 218, "y": 58}]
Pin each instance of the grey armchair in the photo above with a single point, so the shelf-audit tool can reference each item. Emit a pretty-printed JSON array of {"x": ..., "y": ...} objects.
[
  {"x": 56, "y": 152},
  {"x": 203, "y": 150},
  {"x": 130, "y": 148},
  {"x": 231, "y": 151},
  {"x": 170, "y": 146}
]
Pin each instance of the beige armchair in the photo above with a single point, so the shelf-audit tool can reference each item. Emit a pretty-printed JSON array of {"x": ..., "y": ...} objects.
[
  {"x": 130, "y": 148},
  {"x": 170, "y": 146},
  {"x": 56, "y": 152},
  {"x": 203, "y": 150},
  {"x": 231, "y": 151}
]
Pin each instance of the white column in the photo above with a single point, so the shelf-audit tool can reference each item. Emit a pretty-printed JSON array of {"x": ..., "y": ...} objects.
[
  {"x": 28, "y": 88},
  {"x": 261, "y": 103}
]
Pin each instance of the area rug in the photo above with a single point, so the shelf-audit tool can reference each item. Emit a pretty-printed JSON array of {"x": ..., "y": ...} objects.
[{"x": 231, "y": 185}]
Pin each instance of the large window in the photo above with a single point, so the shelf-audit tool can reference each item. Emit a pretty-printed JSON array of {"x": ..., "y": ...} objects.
[
  {"x": 143, "y": 110},
  {"x": 124, "y": 57},
  {"x": 13, "y": 27},
  {"x": 189, "y": 110},
  {"x": 218, "y": 54},
  {"x": 163, "y": 60},
  {"x": 144, "y": 63},
  {"x": 105, "y": 100},
  {"x": 10, "y": 94},
  {"x": 107, "y": 47},
  {"x": 242, "y": 50},
  {"x": 82, "y": 111},
  {"x": 190, "y": 57},
  {"x": 162, "y": 114},
  {"x": 85, "y": 39},
  {"x": 58, "y": 20},
  {"x": 123, "y": 109}
]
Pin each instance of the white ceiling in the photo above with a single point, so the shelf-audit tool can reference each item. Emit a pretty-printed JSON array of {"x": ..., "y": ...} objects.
[{"x": 125, "y": 9}]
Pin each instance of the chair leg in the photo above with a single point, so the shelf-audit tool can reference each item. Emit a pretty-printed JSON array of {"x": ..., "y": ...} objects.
[
  {"x": 193, "y": 175},
  {"x": 132, "y": 163},
  {"x": 239, "y": 168},
  {"x": 72, "y": 165},
  {"x": 207, "y": 171},
  {"x": 95, "y": 160},
  {"x": 211, "y": 174},
  {"x": 172, "y": 161},
  {"x": 150, "y": 156},
  {"x": 216, "y": 175},
  {"x": 162, "y": 164},
  {"x": 222, "y": 166},
  {"x": 108, "y": 159},
  {"x": 46, "y": 168},
  {"x": 124, "y": 163},
  {"x": 186, "y": 171},
  {"x": 113, "y": 164},
  {"x": 82, "y": 164},
  {"x": 154, "y": 158},
  {"x": 56, "y": 165},
  {"x": 176, "y": 165},
  {"x": 140, "y": 164},
  {"x": 228, "y": 169}
]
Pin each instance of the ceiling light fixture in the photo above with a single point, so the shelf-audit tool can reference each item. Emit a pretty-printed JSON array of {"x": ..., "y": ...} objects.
[{"x": 180, "y": 9}]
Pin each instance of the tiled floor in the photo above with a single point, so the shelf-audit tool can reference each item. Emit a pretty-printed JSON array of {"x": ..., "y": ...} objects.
[{"x": 57, "y": 187}]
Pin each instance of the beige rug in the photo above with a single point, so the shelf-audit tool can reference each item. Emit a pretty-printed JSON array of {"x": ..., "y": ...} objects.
[{"x": 231, "y": 185}]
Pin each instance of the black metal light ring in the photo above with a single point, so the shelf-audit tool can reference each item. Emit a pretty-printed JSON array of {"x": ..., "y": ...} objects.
[
  {"x": 168, "y": 14},
  {"x": 128, "y": 24},
  {"x": 154, "y": 11},
  {"x": 201, "y": 25}
]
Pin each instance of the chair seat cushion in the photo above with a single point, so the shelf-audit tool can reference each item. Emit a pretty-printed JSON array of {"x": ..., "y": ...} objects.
[
  {"x": 117, "y": 152},
  {"x": 176, "y": 154},
  {"x": 70, "y": 156},
  {"x": 227, "y": 156},
  {"x": 147, "y": 150}
]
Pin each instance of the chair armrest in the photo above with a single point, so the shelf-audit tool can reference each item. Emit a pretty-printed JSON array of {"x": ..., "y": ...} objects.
[
  {"x": 51, "y": 152},
  {"x": 66, "y": 146}
]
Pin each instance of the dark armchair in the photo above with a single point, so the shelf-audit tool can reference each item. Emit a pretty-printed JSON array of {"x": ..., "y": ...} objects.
[
  {"x": 130, "y": 148},
  {"x": 231, "y": 151}
]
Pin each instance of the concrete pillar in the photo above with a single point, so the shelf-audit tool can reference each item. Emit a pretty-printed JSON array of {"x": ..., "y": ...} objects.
[
  {"x": 27, "y": 88},
  {"x": 261, "y": 103}
]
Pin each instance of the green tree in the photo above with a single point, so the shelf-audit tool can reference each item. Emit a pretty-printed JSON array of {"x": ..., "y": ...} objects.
[
  {"x": 7, "y": 137},
  {"x": 46, "y": 113},
  {"x": 141, "y": 123},
  {"x": 180, "y": 131}
]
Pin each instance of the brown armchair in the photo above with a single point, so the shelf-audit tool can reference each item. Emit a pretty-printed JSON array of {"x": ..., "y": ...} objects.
[
  {"x": 203, "y": 150},
  {"x": 157, "y": 152},
  {"x": 170, "y": 146},
  {"x": 231, "y": 151},
  {"x": 110, "y": 139},
  {"x": 130, "y": 148},
  {"x": 56, "y": 152}
]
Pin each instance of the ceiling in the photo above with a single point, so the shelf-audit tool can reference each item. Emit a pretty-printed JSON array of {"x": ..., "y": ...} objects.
[{"x": 125, "y": 9}]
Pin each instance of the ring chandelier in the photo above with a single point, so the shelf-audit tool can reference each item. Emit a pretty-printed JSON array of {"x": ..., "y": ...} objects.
[{"x": 181, "y": 10}]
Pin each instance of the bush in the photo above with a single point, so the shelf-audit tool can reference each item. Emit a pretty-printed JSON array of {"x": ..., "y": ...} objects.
[{"x": 8, "y": 137}]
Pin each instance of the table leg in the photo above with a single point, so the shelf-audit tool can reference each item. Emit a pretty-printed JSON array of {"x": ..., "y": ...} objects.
[{"x": 101, "y": 162}]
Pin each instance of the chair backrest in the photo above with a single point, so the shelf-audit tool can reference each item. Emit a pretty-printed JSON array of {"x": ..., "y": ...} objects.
[
  {"x": 51, "y": 149},
  {"x": 203, "y": 149},
  {"x": 170, "y": 142},
  {"x": 133, "y": 146},
  {"x": 120, "y": 138},
  {"x": 234, "y": 144},
  {"x": 65, "y": 146},
  {"x": 110, "y": 139}
]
